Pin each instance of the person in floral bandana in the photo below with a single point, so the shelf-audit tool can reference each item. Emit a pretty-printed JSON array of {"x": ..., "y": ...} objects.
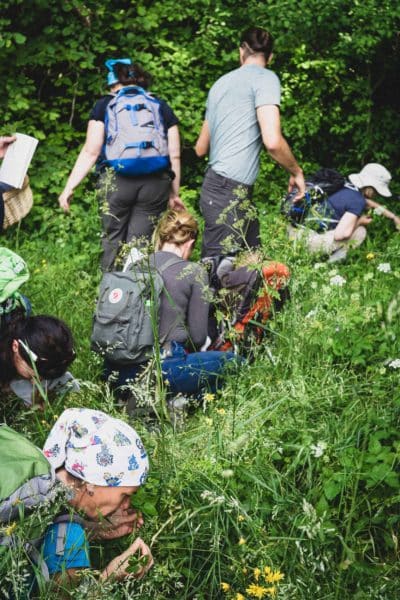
[{"x": 101, "y": 462}]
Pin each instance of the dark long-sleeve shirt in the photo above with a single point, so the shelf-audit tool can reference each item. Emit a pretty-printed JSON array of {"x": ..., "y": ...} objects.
[{"x": 184, "y": 303}]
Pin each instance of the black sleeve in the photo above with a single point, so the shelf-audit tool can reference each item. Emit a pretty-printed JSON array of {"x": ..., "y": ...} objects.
[
  {"x": 170, "y": 119},
  {"x": 98, "y": 112}
]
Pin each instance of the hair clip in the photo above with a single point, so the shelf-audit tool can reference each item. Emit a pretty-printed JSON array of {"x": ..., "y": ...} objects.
[{"x": 32, "y": 355}]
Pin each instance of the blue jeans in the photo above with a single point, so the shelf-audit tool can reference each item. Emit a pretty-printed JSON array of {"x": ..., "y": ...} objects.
[
  {"x": 194, "y": 372},
  {"x": 184, "y": 373}
]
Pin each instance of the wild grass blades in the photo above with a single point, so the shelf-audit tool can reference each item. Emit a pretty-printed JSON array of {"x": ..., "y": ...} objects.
[{"x": 296, "y": 459}]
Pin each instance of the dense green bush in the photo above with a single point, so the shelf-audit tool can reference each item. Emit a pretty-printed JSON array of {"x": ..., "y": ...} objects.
[{"x": 337, "y": 62}]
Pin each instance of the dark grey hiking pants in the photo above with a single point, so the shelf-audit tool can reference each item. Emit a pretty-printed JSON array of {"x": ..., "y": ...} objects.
[
  {"x": 133, "y": 207},
  {"x": 231, "y": 222}
]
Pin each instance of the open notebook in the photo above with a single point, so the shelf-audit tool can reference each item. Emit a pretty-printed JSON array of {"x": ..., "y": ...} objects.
[{"x": 17, "y": 160}]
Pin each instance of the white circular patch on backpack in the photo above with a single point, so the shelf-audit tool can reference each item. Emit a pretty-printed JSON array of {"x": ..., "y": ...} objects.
[{"x": 115, "y": 295}]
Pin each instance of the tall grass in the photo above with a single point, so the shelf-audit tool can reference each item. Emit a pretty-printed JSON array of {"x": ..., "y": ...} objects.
[{"x": 294, "y": 465}]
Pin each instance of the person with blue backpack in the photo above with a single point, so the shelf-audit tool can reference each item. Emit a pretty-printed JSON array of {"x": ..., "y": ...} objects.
[
  {"x": 135, "y": 134},
  {"x": 341, "y": 216}
]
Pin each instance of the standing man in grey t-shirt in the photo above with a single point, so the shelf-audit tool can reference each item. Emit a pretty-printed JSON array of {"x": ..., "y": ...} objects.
[{"x": 242, "y": 113}]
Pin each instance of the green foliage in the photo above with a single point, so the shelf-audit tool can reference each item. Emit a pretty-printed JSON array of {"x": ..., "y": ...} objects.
[{"x": 337, "y": 62}]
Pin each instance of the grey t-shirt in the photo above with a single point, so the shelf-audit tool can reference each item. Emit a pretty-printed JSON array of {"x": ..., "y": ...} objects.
[
  {"x": 231, "y": 114},
  {"x": 184, "y": 305}
]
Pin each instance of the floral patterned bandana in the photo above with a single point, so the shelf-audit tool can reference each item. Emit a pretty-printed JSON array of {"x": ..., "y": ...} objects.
[{"x": 97, "y": 448}]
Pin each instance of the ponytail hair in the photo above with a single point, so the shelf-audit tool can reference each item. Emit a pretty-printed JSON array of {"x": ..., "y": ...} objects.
[
  {"x": 132, "y": 75},
  {"x": 175, "y": 227},
  {"x": 256, "y": 40}
]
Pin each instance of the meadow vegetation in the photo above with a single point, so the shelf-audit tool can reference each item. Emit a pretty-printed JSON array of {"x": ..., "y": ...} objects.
[{"x": 293, "y": 468}]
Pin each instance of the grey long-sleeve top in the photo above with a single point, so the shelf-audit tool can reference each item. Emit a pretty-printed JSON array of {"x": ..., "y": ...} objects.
[{"x": 184, "y": 303}]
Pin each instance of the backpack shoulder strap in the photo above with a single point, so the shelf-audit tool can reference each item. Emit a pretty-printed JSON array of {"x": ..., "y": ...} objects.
[
  {"x": 62, "y": 521},
  {"x": 130, "y": 88}
]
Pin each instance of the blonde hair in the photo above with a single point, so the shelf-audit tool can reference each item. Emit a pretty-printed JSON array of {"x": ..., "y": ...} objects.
[{"x": 175, "y": 227}]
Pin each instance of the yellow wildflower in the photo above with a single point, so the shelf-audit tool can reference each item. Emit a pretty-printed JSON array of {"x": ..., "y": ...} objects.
[
  {"x": 370, "y": 255},
  {"x": 274, "y": 577},
  {"x": 271, "y": 590},
  {"x": 10, "y": 529},
  {"x": 241, "y": 518},
  {"x": 239, "y": 596},
  {"x": 267, "y": 571},
  {"x": 225, "y": 587},
  {"x": 209, "y": 397},
  {"x": 208, "y": 421},
  {"x": 256, "y": 591},
  {"x": 241, "y": 541},
  {"x": 257, "y": 573},
  {"x": 221, "y": 411}
]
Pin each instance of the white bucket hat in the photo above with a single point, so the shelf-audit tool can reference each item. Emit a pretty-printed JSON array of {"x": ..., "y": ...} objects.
[{"x": 373, "y": 175}]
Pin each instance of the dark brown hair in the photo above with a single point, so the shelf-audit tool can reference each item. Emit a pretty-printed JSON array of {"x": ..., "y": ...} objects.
[
  {"x": 256, "y": 40},
  {"x": 132, "y": 75},
  {"x": 49, "y": 338}
]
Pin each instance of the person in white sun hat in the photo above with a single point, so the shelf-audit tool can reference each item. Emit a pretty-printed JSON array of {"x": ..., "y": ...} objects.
[
  {"x": 375, "y": 176},
  {"x": 347, "y": 208}
]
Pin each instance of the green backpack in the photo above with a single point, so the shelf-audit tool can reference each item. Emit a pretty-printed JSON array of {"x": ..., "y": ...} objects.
[
  {"x": 13, "y": 273},
  {"x": 27, "y": 480},
  {"x": 26, "y": 476}
]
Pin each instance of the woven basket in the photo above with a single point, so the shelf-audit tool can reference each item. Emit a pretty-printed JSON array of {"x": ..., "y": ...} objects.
[{"x": 17, "y": 204}]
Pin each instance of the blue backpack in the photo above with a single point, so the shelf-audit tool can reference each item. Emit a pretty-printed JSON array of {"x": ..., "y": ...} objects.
[
  {"x": 313, "y": 211},
  {"x": 135, "y": 139}
]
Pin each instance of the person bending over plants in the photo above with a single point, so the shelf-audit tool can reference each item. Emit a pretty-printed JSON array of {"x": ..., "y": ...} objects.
[
  {"x": 183, "y": 313},
  {"x": 346, "y": 208},
  {"x": 34, "y": 351},
  {"x": 136, "y": 134},
  {"x": 101, "y": 462}
]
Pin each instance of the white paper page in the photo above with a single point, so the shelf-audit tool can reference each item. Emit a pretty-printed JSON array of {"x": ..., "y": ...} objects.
[{"x": 17, "y": 160}]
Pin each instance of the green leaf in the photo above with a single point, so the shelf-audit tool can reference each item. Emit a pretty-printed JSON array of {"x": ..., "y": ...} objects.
[{"x": 19, "y": 38}]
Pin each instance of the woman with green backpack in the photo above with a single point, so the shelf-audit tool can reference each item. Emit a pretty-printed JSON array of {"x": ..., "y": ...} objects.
[
  {"x": 92, "y": 463},
  {"x": 35, "y": 350}
]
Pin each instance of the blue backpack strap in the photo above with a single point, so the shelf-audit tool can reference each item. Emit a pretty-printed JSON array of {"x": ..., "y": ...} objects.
[
  {"x": 130, "y": 88},
  {"x": 63, "y": 521}
]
